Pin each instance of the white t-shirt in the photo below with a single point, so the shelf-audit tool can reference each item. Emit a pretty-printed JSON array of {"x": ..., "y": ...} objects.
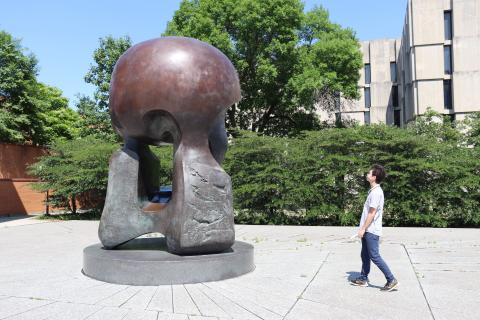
[{"x": 375, "y": 200}]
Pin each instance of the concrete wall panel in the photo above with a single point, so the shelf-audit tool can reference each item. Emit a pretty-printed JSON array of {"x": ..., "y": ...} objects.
[
  {"x": 355, "y": 116},
  {"x": 380, "y": 60},
  {"x": 429, "y": 62},
  {"x": 466, "y": 54},
  {"x": 380, "y": 93},
  {"x": 466, "y": 18},
  {"x": 379, "y": 114},
  {"x": 430, "y": 94},
  {"x": 427, "y": 21},
  {"x": 365, "y": 49},
  {"x": 466, "y": 92}
]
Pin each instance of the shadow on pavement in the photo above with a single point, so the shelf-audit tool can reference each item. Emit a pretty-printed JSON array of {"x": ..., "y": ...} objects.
[{"x": 13, "y": 218}]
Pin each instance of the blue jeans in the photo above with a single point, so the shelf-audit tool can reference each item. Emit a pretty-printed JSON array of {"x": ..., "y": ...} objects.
[{"x": 370, "y": 252}]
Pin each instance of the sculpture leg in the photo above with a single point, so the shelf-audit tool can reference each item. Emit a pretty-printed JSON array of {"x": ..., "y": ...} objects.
[
  {"x": 202, "y": 221},
  {"x": 122, "y": 218}
]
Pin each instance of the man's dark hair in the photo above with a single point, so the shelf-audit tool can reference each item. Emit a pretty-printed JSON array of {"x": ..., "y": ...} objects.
[{"x": 379, "y": 172}]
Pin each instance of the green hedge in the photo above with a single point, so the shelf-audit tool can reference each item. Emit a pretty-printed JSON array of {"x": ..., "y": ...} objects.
[
  {"x": 319, "y": 178},
  {"x": 313, "y": 179}
]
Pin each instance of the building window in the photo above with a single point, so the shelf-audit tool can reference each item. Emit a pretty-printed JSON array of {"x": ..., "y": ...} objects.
[
  {"x": 447, "y": 94},
  {"x": 368, "y": 74},
  {"x": 447, "y": 59},
  {"x": 395, "y": 96},
  {"x": 393, "y": 71},
  {"x": 447, "y": 22},
  {"x": 396, "y": 117},
  {"x": 367, "y": 117},
  {"x": 366, "y": 93}
]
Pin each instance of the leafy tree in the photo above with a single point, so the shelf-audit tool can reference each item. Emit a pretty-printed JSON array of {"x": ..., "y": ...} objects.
[
  {"x": 30, "y": 111},
  {"x": 94, "y": 112},
  {"x": 74, "y": 168},
  {"x": 18, "y": 121},
  {"x": 437, "y": 126},
  {"x": 60, "y": 123},
  {"x": 471, "y": 127},
  {"x": 94, "y": 122},
  {"x": 100, "y": 73},
  {"x": 287, "y": 61},
  {"x": 330, "y": 62},
  {"x": 57, "y": 119}
]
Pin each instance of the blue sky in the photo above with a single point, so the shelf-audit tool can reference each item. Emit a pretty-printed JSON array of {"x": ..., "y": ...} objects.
[{"x": 63, "y": 34}]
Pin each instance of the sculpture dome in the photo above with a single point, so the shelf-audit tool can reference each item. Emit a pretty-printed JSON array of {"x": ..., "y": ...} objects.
[{"x": 183, "y": 81}]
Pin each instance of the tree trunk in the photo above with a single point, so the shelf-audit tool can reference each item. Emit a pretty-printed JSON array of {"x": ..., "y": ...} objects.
[{"x": 73, "y": 204}]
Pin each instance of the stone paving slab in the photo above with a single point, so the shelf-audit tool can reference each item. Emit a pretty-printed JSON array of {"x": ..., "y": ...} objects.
[{"x": 301, "y": 273}]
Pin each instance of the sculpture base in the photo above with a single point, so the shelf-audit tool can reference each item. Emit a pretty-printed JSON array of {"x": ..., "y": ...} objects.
[{"x": 145, "y": 262}]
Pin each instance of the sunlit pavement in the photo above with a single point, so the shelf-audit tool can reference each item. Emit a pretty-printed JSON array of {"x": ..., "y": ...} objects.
[{"x": 301, "y": 273}]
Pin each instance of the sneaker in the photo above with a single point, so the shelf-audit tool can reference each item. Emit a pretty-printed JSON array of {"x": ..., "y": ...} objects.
[
  {"x": 359, "y": 282},
  {"x": 389, "y": 286}
]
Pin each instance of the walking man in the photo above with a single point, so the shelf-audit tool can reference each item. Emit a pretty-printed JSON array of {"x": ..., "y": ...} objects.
[{"x": 370, "y": 231}]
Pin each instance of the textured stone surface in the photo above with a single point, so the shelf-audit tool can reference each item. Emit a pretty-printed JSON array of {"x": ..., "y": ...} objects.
[{"x": 301, "y": 273}]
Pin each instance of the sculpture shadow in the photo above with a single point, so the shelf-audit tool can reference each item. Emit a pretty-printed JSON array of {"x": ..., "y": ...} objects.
[{"x": 154, "y": 244}]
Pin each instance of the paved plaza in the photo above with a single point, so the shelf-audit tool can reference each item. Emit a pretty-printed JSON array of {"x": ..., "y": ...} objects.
[{"x": 301, "y": 273}]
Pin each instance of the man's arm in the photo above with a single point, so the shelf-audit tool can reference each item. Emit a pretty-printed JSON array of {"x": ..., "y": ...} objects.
[{"x": 368, "y": 221}]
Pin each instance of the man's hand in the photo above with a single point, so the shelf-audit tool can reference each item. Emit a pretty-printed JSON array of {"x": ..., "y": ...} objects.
[
  {"x": 371, "y": 215},
  {"x": 361, "y": 232}
]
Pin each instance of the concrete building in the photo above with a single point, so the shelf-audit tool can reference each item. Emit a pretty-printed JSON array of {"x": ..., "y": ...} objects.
[{"x": 436, "y": 64}]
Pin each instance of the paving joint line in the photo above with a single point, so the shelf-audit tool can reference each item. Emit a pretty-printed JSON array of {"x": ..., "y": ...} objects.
[
  {"x": 251, "y": 301},
  {"x": 308, "y": 284},
  {"x": 232, "y": 301},
  {"x": 333, "y": 306},
  {"x": 418, "y": 280},
  {"x": 173, "y": 305},
  {"x": 62, "y": 301},
  {"x": 150, "y": 301},
  {"x": 133, "y": 295},
  {"x": 109, "y": 296},
  {"x": 263, "y": 292},
  {"x": 16, "y": 314},
  {"x": 191, "y": 298},
  {"x": 102, "y": 307},
  {"x": 213, "y": 301}
]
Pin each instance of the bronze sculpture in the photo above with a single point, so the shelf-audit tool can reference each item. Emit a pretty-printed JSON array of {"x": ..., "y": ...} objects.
[{"x": 174, "y": 90}]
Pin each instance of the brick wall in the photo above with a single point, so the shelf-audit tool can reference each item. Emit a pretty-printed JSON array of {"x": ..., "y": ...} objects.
[
  {"x": 16, "y": 194},
  {"x": 17, "y": 197}
]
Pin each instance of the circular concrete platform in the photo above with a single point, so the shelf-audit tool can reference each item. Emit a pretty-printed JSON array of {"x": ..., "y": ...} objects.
[{"x": 145, "y": 262}]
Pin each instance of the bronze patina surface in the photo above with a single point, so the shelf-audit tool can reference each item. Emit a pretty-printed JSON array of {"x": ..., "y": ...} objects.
[{"x": 171, "y": 90}]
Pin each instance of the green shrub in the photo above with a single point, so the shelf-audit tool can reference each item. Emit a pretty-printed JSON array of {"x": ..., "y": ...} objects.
[
  {"x": 78, "y": 170},
  {"x": 74, "y": 168},
  {"x": 318, "y": 178}
]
